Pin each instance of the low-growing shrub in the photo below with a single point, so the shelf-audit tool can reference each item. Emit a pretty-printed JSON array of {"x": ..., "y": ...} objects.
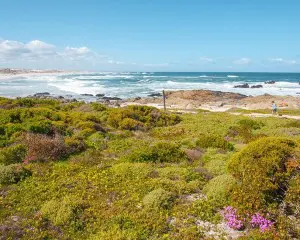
[
  {"x": 62, "y": 211},
  {"x": 13, "y": 173},
  {"x": 213, "y": 141},
  {"x": 250, "y": 123},
  {"x": 43, "y": 127},
  {"x": 158, "y": 198},
  {"x": 74, "y": 144},
  {"x": 148, "y": 116},
  {"x": 44, "y": 148},
  {"x": 131, "y": 124},
  {"x": 97, "y": 141},
  {"x": 12, "y": 154},
  {"x": 159, "y": 152},
  {"x": 219, "y": 189},
  {"x": 294, "y": 124},
  {"x": 261, "y": 172}
]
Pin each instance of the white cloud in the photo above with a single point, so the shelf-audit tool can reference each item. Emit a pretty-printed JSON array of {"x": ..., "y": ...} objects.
[
  {"x": 115, "y": 62},
  {"x": 242, "y": 61},
  {"x": 282, "y": 61},
  {"x": 37, "y": 53},
  {"x": 206, "y": 60}
]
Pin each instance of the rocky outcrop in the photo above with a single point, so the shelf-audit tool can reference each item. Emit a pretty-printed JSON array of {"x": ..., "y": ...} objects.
[
  {"x": 87, "y": 95},
  {"x": 269, "y": 82},
  {"x": 155, "y": 95},
  {"x": 245, "y": 85},
  {"x": 41, "y": 94},
  {"x": 257, "y": 86}
]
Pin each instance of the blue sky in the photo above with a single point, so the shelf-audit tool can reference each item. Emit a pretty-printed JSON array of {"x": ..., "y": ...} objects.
[{"x": 156, "y": 35}]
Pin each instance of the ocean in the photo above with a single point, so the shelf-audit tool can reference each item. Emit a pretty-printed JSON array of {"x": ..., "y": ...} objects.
[{"x": 141, "y": 84}]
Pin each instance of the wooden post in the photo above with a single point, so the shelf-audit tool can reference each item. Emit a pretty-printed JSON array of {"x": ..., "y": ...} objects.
[{"x": 164, "y": 99}]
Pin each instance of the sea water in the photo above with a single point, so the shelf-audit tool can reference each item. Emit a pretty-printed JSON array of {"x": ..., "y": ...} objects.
[{"x": 141, "y": 84}]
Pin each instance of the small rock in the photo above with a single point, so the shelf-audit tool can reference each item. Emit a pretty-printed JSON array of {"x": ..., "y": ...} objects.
[
  {"x": 137, "y": 98},
  {"x": 100, "y": 95},
  {"x": 15, "y": 218}
]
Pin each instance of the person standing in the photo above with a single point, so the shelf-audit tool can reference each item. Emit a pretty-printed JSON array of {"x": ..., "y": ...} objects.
[{"x": 274, "y": 108}]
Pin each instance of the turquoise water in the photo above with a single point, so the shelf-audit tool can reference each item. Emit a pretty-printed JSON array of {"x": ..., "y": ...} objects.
[{"x": 133, "y": 84}]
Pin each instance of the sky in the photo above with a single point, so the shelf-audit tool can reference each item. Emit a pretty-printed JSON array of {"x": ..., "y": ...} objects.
[{"x": 151, "y": 35}]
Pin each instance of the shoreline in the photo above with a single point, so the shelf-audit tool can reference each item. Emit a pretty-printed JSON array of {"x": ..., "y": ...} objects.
[{"x": 187, "y": 100}]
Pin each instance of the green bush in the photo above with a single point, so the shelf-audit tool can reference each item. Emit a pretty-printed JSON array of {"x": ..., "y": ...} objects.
[
  {"x": 158, "y": 198},
  {"x": 131, "y": 124},
  {"x": 218, "y": 189},
  {"x": 250, "y": 123},
  {"x": 149, "y": 116},
  {"x": 159, "y": 152},
  {"x": 261, "y": 172},
  {"x": 43, "y": 127},
  {"x": 12, "y": 154},
  {"x": 215, "y": 163},
  {"x": 294, "y": 123},
  {"x": 62, "y": 211},
  {"x": 213, "y": 141},
  {"x": 98, "y": 107},
  {"x": 97, "y": 141},
  {"x": 13, "y": 173}
]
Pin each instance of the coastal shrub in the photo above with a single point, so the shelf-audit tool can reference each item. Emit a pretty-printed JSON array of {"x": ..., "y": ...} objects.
[
  {"x": 294, "y": 124},
  {"x": 13, "y": 173},
  {"x": 74, "y": 144},
  {"x": 10, "y": 129},
  {"x": 244, "y": 130},
  {"x": 214, "y": 162},
  {"x": 131, "y": 124},
  {"x": 158, "y": 198},
  {"x": 250, "y": 123},
  {"x": 12, "y": 154},
  {"x": 43, "y": 127},
  {"x": 98, "y": 107},
  {"x": 213, "y": 141},
  {"x": 159, "y": 152},
  {"x": 44, "y": 148},
  {"x": 205, "y": 210},
  {"x": 218, "y": 189},
  {"x": 62, "y": 211},
  {"x": 149, "y": 116},
  {"x": 261, "y": 172},
  {"x": 97, "y": 141},
  {"x": 292, "y": 198},
  {"x": 131, "y": 170}
]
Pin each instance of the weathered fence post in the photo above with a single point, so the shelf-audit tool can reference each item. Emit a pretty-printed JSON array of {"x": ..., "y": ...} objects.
[{"x": 164, "y": 99}]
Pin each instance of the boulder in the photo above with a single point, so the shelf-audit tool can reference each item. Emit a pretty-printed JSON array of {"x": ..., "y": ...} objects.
[
  {"x": 245, "y": 85},
  {"x": 87, "y": 95},
  {"x": 155, "y": 95},
  {"x": 257, "y": 86},
  {"x": 112, "y": 98},
  {"x": 41, "y": 94},
  {"x": 269, "y": 82},
  {"x": 100, "y": 95}
]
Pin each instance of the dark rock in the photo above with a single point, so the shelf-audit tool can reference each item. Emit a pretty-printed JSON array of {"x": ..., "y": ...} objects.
[
  {"x": 269, "y": 82},
  {"x": 74, "y": 100},
  {"x": 137, "y": 98},
  {"x": 257, "y": 86},
  {"x": 60, "y": 97},
  {"x": 87, "y": 95},
  {"x": 245, "y": 85},
  {"x": 41, "y": 94},
  {"x": 100, "y": 95},
  {"x": 112, "y": 98},
  {"x": 155, "y": 95}
]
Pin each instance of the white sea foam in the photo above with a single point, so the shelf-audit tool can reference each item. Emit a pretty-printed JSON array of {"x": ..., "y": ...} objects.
[{"x": 232, "y": 76}]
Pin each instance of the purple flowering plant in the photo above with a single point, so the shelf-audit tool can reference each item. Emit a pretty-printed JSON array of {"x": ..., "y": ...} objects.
[{"x": 236, "y": 222}]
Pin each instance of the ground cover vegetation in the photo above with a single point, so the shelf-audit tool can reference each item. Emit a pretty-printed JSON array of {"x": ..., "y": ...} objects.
[{"x": 86, "y": 171}]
